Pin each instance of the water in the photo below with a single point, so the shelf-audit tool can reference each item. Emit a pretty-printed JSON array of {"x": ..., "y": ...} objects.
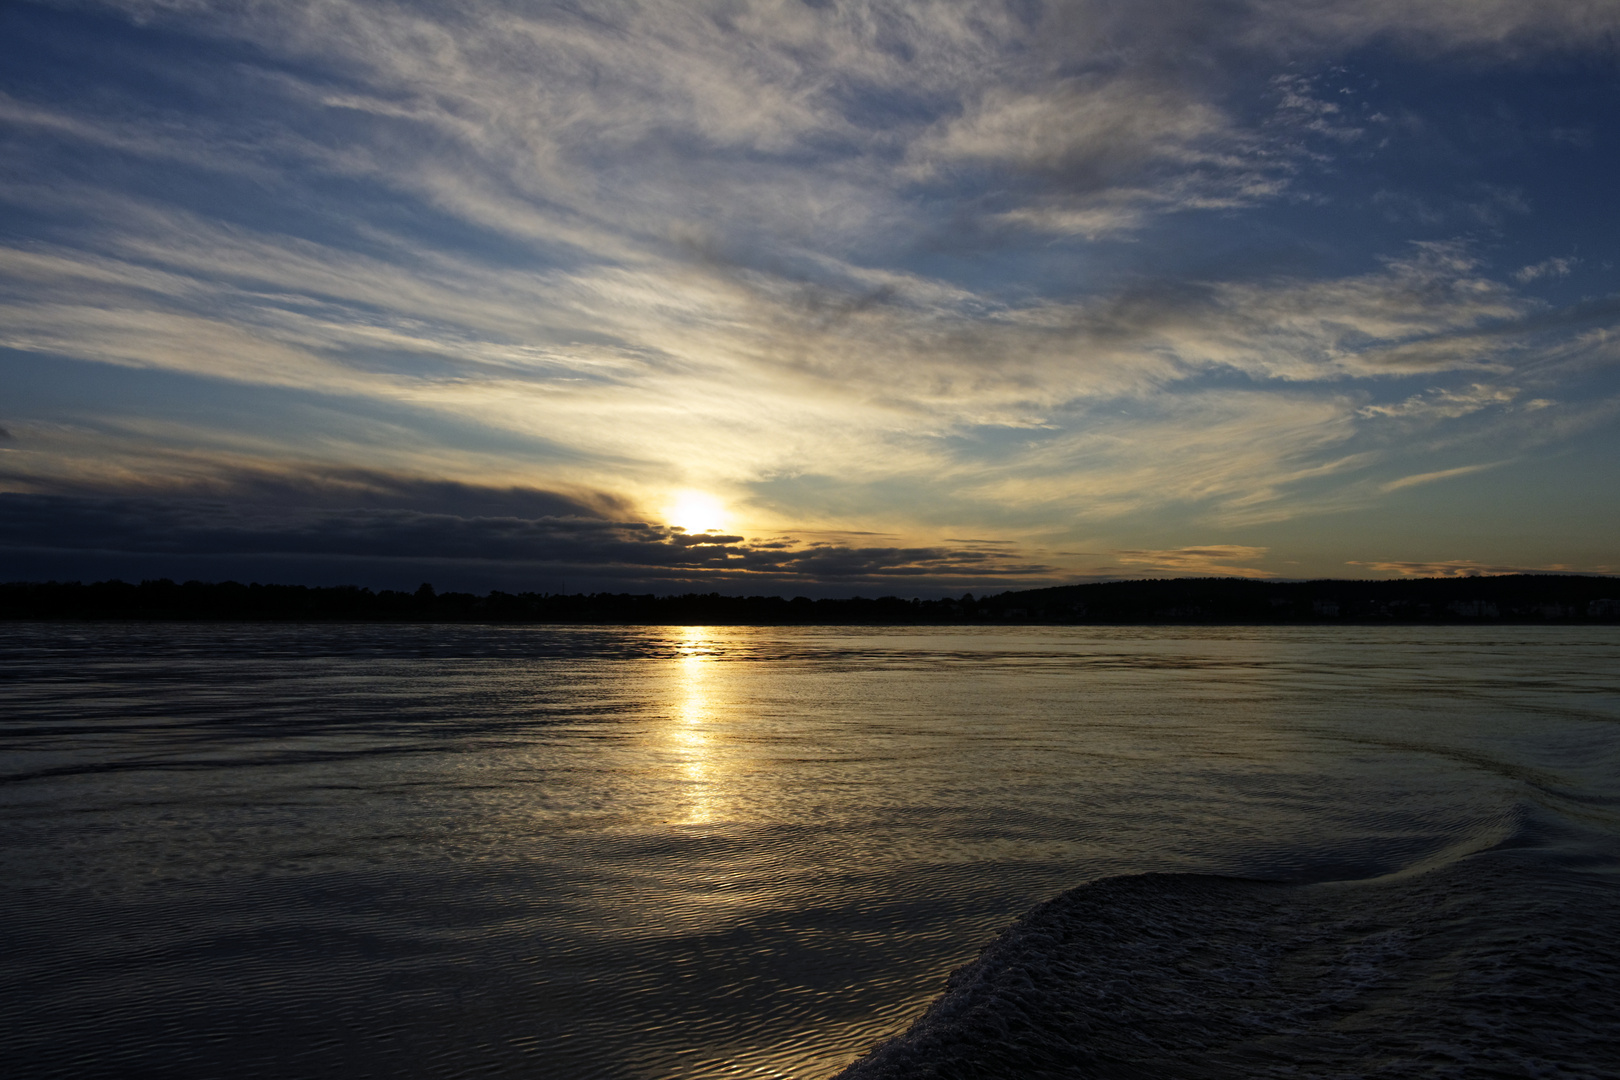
[{"x": 716, "y": 852}]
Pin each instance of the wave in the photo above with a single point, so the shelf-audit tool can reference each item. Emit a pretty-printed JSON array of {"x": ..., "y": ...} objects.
[{"x": 1494, "y": 965}]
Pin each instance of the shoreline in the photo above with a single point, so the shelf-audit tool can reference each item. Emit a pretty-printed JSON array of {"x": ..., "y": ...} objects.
[{"x": 1517, "y": 600}]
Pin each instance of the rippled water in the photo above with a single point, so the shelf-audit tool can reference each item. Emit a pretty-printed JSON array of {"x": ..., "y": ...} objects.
[{"x": 633, "y": 852}]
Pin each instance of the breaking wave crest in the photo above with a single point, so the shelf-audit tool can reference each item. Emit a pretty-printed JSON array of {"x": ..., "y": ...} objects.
[{"x": 1495, "y": 965}]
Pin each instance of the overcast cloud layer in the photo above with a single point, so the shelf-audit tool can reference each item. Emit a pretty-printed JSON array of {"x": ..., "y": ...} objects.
[{"x": 926, "y": 296}]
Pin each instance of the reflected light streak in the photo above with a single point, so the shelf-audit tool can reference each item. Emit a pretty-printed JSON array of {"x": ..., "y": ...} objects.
[{"x": 694, "y": 720}]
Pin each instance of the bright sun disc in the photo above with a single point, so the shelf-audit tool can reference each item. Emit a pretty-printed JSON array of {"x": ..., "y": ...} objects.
[{"x": 696, "y": 512}]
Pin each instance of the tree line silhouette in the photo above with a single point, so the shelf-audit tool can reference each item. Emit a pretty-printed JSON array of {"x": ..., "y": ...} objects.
[{"x": 1518, "y": 598}]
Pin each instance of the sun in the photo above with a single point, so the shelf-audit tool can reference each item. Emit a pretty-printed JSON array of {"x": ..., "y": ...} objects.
[{"x": 697, "y": 511}]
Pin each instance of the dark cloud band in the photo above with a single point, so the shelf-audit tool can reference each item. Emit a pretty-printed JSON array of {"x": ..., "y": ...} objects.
[{"x": 605, "y": 550}]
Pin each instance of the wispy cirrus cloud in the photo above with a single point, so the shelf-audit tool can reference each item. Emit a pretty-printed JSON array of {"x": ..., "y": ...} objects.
[
  {"x": 1445, "y": 404},
  {"x": 1214, "y": 560},
  {"x": 1439, "y": 474},
  {"x": 835, "y": 252},
  {"x": 730, "y": 98},
  {"x": 747, "y": 376},
  {"x": 1453, "y": 568}
]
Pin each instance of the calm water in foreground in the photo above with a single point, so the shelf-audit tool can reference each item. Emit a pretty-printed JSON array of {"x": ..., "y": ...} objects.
[{"x": 706, "y": 852}]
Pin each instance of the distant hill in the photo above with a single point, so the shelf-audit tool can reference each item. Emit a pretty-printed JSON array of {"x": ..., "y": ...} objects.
[
  {"x": 1509, "y": 598},
  {"x": 1519, "y": 598}
]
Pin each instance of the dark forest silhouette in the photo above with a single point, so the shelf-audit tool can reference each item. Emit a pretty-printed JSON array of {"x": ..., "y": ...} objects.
[{"x": 1519, "y": 598}]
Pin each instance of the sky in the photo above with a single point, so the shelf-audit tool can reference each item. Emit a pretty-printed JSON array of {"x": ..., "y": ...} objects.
[{"x": 807, "y": 296}]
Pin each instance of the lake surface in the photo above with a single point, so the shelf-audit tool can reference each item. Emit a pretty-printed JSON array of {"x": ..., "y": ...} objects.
[{"x": 753, "y": 852}]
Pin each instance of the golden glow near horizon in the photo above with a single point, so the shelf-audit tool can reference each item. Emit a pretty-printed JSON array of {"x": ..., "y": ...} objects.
[{"x": 696, "y": 512}]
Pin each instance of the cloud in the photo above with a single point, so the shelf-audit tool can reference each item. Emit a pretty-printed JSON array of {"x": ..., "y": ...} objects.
[
  {"x": 1104, "y": 153},
  {"x": 1089, "y": 138},
  {"x": 1233, "y": 457},
  {"x": 594, "y": 355},
  {"x": 614, "y": 553},
  {"x": 340, "y": 488},
  {"x": 744, "y": 375},
  {"x": 1112, "y": 112},
  {"x": 1439, "y": 403},
  {"x": 1498, "y": 27},
  {"x": 1213, "y": 560},
  {"x": 1547, "y": 268},
  {"x": 1459, "y": 568},
  {"x": 719, "y": 244},
  {"x": 1441, "y": 474}
]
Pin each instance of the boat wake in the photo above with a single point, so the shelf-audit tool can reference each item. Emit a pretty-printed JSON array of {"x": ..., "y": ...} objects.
[{"x": 1494, "y": 965}]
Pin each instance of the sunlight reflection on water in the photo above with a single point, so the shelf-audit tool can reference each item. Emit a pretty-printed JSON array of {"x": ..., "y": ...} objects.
[
  {"x": 694, "y": 725},
  {"x": 703, "y": 851}
]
